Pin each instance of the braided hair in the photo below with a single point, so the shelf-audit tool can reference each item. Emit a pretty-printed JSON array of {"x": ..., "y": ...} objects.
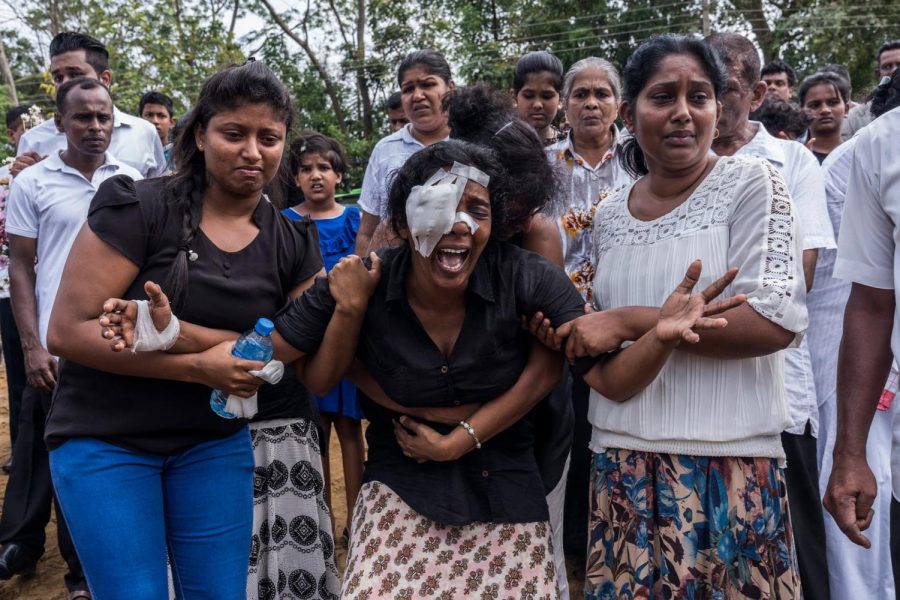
[{"x": 227, "y": 89}]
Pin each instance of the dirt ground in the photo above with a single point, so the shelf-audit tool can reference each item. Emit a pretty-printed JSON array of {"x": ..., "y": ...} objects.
[{"x": 47, "y": 583}]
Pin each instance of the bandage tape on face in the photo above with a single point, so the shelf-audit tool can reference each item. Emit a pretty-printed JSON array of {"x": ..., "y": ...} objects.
[{"x": 431, "y": 207}]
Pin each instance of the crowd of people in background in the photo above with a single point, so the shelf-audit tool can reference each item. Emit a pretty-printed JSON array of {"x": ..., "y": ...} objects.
[{"x": 612, "y": 323}]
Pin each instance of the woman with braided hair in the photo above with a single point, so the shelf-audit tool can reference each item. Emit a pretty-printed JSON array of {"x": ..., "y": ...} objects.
[{"x": 142, "y": 466}]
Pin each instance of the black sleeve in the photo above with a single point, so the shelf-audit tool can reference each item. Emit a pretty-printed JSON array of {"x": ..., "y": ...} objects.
[
  {"x": 115, "y": 216},
  {"x": 307, "y": 253},
  {"x": 545, "y": 287},
  {"x": 303, "y": 322}
]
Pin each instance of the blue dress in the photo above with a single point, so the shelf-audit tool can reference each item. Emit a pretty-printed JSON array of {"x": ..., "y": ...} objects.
[{"x": 337, "y": 239}]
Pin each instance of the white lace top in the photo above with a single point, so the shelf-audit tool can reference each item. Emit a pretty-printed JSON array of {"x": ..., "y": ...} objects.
[{"x": 740, "y": 216}]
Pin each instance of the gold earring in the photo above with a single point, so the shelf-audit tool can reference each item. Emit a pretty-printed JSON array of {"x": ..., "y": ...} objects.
[{"x": 716, "y": 133}]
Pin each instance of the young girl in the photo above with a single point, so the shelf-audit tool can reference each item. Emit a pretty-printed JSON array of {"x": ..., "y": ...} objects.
[
  {"x": 537, "y": 83},
  {"x": 825, "y": 97},
  {"x": 318, "y": 164}
]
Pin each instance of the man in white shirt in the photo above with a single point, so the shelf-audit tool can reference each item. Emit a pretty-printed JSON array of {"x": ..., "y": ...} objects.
[
  {"x": 47, "y": 206},
  {"x": 853, "y": 571},
  {"x": 744, "y": 92},
  {"x": 869, "y": 257},
  {"x": 134, "y": 141}
]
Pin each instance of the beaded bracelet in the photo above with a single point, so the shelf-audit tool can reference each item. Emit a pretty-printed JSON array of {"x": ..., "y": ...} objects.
[{"x": 471, "y": 430}]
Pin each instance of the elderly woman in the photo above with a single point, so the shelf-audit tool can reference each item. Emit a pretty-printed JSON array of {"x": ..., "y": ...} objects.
[
  {"x": 688, "y": 496},
  {"x": 588, "y": 172}
]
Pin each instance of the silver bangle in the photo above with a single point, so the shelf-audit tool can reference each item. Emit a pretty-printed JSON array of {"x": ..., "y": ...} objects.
[{"x": 471, "y": 431}]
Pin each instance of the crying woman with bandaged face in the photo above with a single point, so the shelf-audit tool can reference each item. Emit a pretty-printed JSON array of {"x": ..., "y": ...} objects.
[{"x": 430, "y": 331}]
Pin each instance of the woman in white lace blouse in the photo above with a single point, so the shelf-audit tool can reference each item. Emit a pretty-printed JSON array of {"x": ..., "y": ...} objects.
[{"x": 687, "y": 496}]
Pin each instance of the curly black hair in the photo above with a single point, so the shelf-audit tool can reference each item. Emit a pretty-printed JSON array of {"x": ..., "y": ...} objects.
[
  {"x": 776, "y": 115},
  {"x": 485, "y": 116}
]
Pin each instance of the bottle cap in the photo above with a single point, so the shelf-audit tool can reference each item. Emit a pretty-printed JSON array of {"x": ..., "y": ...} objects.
[{"x": 264, "y": 326}]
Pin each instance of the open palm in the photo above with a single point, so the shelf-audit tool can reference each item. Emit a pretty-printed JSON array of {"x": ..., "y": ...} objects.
[{"x": 684, "y": 314}]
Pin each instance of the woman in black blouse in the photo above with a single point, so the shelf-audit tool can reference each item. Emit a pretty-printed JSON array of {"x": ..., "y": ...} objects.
[
  {"x": 455, "y": 509},
  {"x": 142, "y": 466}
]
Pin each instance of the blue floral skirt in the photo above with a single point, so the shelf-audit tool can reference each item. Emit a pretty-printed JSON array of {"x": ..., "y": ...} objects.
[{"x": 689, "y": 527}]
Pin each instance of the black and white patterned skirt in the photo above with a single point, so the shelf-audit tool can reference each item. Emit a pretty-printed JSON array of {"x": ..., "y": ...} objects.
[{"x": 292, "y": 552}]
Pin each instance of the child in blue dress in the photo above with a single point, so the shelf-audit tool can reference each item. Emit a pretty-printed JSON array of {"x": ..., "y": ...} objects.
[{"x": 318, "y": 164}]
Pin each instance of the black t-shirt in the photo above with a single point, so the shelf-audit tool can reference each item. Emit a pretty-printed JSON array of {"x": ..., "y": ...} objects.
[
  {"x": 226, "y": 290},
  {"x": 500, "y": 482}
]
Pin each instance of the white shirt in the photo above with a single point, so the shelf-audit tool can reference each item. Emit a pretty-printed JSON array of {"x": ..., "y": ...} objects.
[
  {"x": 49, "y": 201},
  {"x": 387, "y": 157},
  {"x": 134, "y": 142},
  {"x": 582, "y": 188},
  {"x": 739, "y": 216},
  {"x": 828, "y": 297},
  {"x": 806, "y": 186},
  {"x": 869, "y": 253}
]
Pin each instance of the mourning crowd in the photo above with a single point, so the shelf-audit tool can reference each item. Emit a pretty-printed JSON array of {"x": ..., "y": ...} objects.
[{"x": 611, "y": 324}]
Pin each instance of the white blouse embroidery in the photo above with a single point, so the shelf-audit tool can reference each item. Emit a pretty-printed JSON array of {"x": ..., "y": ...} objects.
[{"x": 740, "y": 216}]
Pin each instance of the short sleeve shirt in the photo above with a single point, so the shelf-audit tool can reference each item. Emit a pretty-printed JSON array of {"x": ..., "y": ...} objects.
[
  {"x": 49, "y": 202},
  {"x": 739, "y": 216},
  {"x": 500, "y": 482},
  {"x": 868, "y": 249},
  {"x": 805, "y": 181},
  {"x": 226, "y": 290},
  {"x": 582, "y": 189},
  {"x": 134, "y": 142},
  {"x": 869, "y": 253},
  {"x": 387, "y": 157}
]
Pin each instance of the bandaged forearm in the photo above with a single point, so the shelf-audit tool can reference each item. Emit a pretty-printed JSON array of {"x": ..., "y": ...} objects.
[{"x": 146, "y": 336}]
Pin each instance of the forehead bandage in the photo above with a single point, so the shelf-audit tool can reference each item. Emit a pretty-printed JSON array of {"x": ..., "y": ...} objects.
[{"x": 431, "y": 207}]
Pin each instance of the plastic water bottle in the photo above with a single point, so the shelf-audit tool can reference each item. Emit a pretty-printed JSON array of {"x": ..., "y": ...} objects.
[{"x": 253, "y": 345}]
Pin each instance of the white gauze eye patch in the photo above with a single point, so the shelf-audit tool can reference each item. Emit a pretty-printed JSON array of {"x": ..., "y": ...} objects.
[{"x": 431, "y": 207}]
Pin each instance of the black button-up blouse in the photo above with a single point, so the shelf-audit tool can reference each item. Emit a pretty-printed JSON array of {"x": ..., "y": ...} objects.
[{"x": 500, "y": 482}]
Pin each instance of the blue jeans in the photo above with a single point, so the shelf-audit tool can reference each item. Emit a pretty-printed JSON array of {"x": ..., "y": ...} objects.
[{"x": 127, "y": 510}]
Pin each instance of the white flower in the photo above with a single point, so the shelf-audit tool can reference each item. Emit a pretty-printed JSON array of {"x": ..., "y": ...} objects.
[{"x": 33, "y": 117}]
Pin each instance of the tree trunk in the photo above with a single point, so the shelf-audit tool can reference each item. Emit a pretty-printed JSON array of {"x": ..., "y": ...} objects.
[
  {"x": 234, "y": 16},
  {"x": 361, "y": 83},
  {"x": 330, "y": 87},
  {"x": 7, "y": 75},
  {"x": 54, "y": 18}
]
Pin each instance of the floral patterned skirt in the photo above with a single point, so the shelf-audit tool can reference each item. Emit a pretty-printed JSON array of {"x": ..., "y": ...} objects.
[
  {"x": 397, "y": 553},
  {"x": 689, "y": 527}
]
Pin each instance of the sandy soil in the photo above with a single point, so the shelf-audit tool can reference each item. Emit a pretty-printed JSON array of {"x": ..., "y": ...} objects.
[{"x": 47, "y": 583}]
